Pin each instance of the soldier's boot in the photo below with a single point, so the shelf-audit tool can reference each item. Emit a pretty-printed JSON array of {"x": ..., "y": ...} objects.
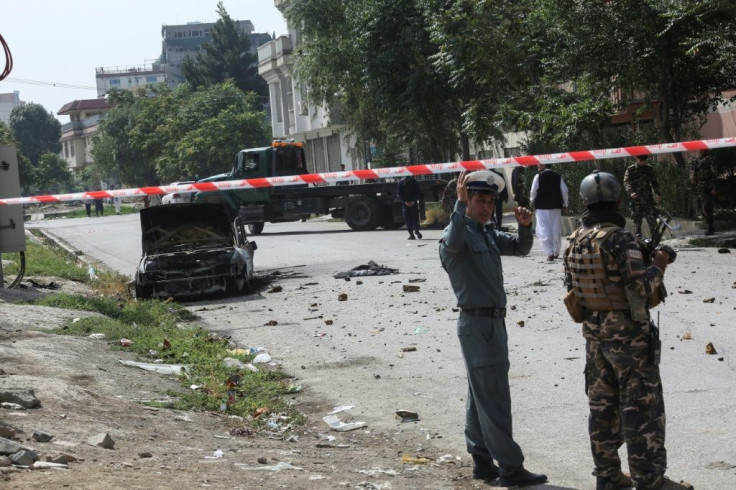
[
  {"x": 668, "y": 484},
  {"x": 483, "y": 468},
  {"x": 622, "y": 480}
]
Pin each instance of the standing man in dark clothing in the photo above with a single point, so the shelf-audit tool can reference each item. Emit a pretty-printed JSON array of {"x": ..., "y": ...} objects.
[
  {"x": 470, "y": 252},
  {"x": 502, "y": 197},
  {"x": 410, "y": 194},
  {"x": 641, "y": 186},
  {"x": 521, "y": 195},
  {"x": 703, "y": 177},
  {"x": 99, "y": 207},
  {"x": 609, "y": 277}
]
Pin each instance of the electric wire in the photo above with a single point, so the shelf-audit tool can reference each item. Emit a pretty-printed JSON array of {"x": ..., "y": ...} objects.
[{"x": 8, "y": 59}]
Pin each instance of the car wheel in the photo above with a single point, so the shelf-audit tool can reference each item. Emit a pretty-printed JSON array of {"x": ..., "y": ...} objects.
[
  {"x": 255, "y": 228},
  {"x": 143, "y": 292}
]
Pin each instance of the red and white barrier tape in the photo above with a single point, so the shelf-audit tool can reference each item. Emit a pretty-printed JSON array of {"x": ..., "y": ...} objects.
[{"x": 382, "y": 173}]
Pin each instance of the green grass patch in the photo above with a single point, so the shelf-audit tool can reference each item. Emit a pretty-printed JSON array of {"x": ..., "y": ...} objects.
[
  {"x": 47, "y": 261},
  {"x": 109, "y": 210},
  {"x": 157, "y": 331}
]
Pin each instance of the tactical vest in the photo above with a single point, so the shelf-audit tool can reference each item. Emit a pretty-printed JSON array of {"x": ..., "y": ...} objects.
[{"x": 595, "y": 287}]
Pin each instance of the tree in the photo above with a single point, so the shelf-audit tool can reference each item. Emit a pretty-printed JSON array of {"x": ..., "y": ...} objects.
[
  {"x": 158, "y": 135},
  {"x": 36, "y": 131},
  {"x": 226, "y": 56},
  {"x": 51, "y": 175}
]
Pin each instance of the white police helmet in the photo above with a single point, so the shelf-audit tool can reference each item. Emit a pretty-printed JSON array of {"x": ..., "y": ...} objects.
[{"x": 485, "y": 182}]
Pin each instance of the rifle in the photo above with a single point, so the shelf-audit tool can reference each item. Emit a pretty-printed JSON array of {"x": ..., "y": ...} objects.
[{"x": 664, "y": 222}]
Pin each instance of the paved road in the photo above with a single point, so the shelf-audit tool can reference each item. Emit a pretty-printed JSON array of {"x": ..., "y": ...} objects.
[{"x": 358, "y": 360}]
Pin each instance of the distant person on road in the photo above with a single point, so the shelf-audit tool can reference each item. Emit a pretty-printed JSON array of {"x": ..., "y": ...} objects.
[
  {"x": 703, "y": 177},
  {"x": 521, "y": 195},
  {"x": 99, "y": 207},
  {"x": 641, "y": 186},
  {"x": 470, "y": 252},
  {"x": 502, "y": 197},
  {"x": 612, "y": 286},
  {"x": 549, "y": 195},
  {"x": 87, "y": 204},
  {"x": 410, "y": 194}
]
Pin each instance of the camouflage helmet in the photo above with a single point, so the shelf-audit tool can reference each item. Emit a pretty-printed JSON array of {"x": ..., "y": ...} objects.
[
  {"x": 599, "y": 187},
  {"x": 485, "y": 182}
]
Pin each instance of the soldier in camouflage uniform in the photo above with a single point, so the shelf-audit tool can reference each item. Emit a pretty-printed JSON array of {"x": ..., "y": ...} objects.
[
  {"x": 606, "y": 271},
  {"x": 449, "y": 195},
  {"x": 641, "y": 186},
  {"x": 703, "y": 177}
]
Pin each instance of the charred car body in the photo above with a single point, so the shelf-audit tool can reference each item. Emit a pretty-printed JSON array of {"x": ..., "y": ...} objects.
[{"x": 192, "y": 250}]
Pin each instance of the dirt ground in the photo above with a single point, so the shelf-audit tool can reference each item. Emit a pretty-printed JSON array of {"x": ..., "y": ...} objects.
[{"x": 84, "y": 391}]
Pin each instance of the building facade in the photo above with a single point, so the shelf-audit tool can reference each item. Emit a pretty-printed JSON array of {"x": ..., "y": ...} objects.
[
  {"x": 128, "y": 77},
  {"x": 181, "y": 41},
  {"x": 8, "y": 102},
  {"x": 76, "y": 135}
]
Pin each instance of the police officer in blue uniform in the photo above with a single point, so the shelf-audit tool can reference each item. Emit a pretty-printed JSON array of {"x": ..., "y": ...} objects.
[{"x": 470, "y": 252}]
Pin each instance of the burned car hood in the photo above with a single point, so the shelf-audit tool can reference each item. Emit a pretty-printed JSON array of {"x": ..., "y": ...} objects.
[{"x": 180, "y": 227}]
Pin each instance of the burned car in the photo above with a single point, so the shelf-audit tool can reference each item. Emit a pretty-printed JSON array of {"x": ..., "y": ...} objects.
[{"x": 192, "y": 250}]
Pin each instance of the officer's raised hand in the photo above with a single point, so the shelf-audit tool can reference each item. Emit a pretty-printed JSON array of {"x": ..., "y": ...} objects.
[{"x": 523, "y": 216}]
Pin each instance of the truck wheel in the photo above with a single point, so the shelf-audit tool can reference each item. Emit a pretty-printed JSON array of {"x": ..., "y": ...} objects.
[
  {"x": 255, "y": 228},
  {"x": 364, "y": 213},
  {"x": 387, "y": 221}
]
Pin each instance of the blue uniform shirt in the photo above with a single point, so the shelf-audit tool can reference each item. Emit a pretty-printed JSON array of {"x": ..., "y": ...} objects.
[{"x": 471, "y": 254}]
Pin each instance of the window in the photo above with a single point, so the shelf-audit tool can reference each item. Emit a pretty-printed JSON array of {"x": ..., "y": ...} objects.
[
  {"x": 114, "y": 81},
  {"x": 151, "y": 79}
]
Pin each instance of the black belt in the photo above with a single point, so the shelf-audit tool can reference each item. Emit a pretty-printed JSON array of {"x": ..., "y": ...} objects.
[{"x": 487, "y": 312}]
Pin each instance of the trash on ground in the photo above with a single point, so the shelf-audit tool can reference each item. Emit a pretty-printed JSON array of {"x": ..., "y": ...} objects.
[
  {"x": 684, "y": 291},
  {"x": 406, "y": 459},
  {"x": 409, "y": 349},
  {"x": 340, "y": 409},
  {"x": 342, "y": 297},
  {"x": 407, "y": 415},
  {"x": 271, "y": 323},
  {"x": 410, "y": 288},
  {"x": 276, "y": 289},
  {"x": 369, "y": 269},
  {"x": 157, "y": 368},
  {"x": 277, "y": 467},
  {"x": 521, "y": 323},
  {"x": 417, "y": 280},
  {"x": 710, "y": 349},
  {"x": 687, "y": 336},
  {"x": 376, "y": 471},
  {"x": 340, "y": 426},
  {"x": 709, "y": 300},
  {"x": 261, "y": 358},
  {"x": 126, "y": 342}
]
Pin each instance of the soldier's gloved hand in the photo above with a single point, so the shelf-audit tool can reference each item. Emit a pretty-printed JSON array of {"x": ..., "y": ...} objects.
[{"x": 668, "y": 250}]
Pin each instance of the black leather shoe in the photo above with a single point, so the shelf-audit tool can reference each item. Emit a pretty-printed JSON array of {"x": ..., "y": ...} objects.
[
  {"x": 483, "y": 468},
  {"x": 520, "y": 477},
  {"x": 419, "y": 235}
]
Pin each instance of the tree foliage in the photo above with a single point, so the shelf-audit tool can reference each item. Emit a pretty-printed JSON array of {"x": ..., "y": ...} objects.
[
  {"x": 226, "y": 56},
  {"x": 51, "y": 175},
  {"x": 36, "y": 131},
  {"x": 164, "y": 135}
]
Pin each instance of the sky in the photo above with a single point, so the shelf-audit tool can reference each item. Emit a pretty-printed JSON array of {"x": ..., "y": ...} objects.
[{"x": 56, "y": 45}]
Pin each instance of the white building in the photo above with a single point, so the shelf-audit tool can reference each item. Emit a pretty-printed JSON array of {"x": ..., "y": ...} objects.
[
  {"x": 128, "y": 77},
  {"x": 8, "y": 102},
  {"x": 76, "y": 135},
  {"x": 292, "y": 115}
]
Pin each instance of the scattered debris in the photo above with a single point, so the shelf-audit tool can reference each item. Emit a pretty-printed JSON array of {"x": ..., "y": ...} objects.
[
  {"x": 409, "y": 288},
  {"x": 684, "y": 291},
  {"x": 102, "y": 440},
  {"x": 276, "y": 289},
  {"x": 271, "y": 323},
  {"x": 157, "y": 368},
  {"x": 710, "y": 349},
  {"x": 406, "y": 459},
  {"x": 409, "y": 349},
  {"x": 340, "y": 426},
  {"x": 277, "y": 467},
  {"x": 262, "y": 358},
  {"x": 376, "y": 471},
  {"x": 407, "y": 416},
  {"x": 520, "y": 323},
  {"x": 686, "y": 336},
  {"x": 709, "y": 300},
  {"x": 724, "y": 251},
  {"x": 340, "y": 409},
  {"x": 369, "y": 269},
  {"x": 328, "y": 322},
  {"x": 126, "y": 342},
  {"x": 40, "y": 436},
  {"x": 342, "y": 297},
  {"x": 417, "y": 280}
]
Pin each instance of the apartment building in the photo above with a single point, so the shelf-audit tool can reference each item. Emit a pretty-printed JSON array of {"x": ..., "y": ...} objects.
[
  {"x": 128, "y": 77},
  {"x": 8, "y": 102},
  {"x": 76, "y": 135}
]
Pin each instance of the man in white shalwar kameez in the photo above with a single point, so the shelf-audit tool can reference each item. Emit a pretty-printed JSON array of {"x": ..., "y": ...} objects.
[{"x": 549, "y": 196}]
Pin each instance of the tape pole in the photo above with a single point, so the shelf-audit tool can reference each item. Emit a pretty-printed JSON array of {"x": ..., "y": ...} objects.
[{"x": 388, "y": 172}]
